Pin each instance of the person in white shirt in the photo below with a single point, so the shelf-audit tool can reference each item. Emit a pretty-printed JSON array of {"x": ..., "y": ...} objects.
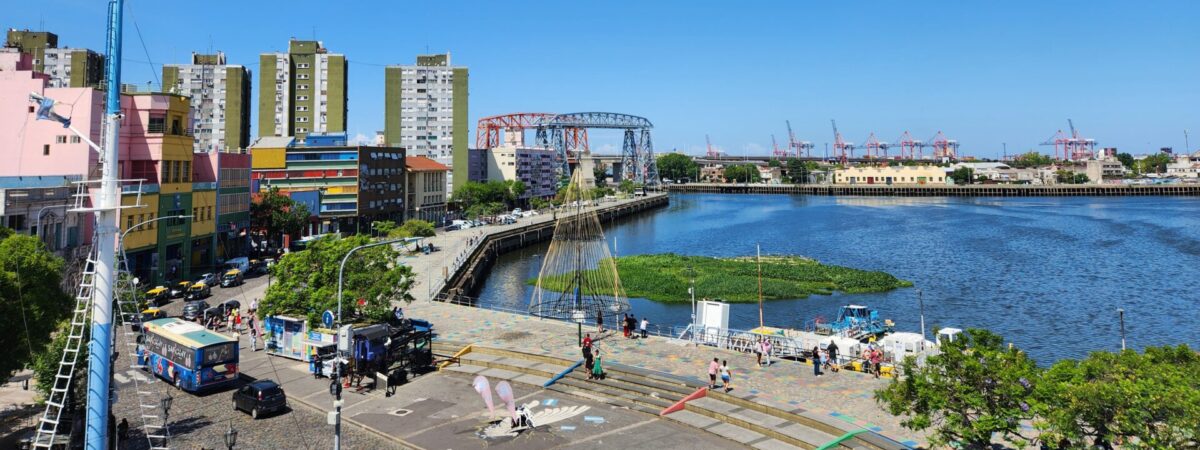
[{"x": 645, "y": 324}]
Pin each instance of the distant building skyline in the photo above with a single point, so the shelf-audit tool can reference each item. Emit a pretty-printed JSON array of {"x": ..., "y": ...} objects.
[{"x": 984, "y": 74}]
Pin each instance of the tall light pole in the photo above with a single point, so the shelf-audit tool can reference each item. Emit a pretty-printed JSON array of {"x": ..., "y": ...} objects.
[
  {"x": 692, "y": 291},
  {"x": 337, "y": 367},
  {"x": 921, "y": 303}
]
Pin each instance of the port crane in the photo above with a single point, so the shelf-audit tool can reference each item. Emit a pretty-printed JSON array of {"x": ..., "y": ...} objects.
[
  {"x": 775, "y": 150},
  {"x": 711, "y": 152},
  {"x": 944, "y": 147},
  {"x": 875, "y": 148},
  {"x": 842, "y": 150},
  {"x": 802, "y": 148},
  {"x": 909, "y": 147},
  {"x": 1071, "y": 147}
]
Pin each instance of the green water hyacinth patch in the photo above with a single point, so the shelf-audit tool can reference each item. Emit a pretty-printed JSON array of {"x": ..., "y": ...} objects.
[{"x": 665, "y": 278}]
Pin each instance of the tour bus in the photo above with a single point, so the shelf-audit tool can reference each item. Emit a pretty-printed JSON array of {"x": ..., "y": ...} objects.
[{"x": 188, "y": 355}]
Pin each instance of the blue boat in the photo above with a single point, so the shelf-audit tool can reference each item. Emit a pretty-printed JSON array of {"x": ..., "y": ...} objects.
[{"x": 857, "y": 322}]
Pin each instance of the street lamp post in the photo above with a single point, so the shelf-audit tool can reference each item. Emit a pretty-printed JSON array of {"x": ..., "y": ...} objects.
[
  {"x": 692, "y": 291},
  {"x": 921, "y": 303},
  {"x": 230, "y": 437},
  {"x": 337, "y": 377}
]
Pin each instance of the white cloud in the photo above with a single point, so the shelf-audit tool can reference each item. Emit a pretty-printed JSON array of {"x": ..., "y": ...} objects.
[{"x": 362, "y": 139}]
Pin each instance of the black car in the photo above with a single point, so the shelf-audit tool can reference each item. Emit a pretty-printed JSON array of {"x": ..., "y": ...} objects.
[
  {"x": 194, "y": 309},
  {"x": 260, "y": 397}
]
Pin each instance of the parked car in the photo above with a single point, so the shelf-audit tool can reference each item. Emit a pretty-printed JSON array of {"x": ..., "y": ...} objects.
[
  {"x": 147, "y": 315},
  {"x": 157, "y": 296},
  {"x": 257, "y": 267},
  {"x": 232, "y": 278},
  {"x": 260, "y": 397},
  {"x": 199, "y": 290},
  {"x": 179, "y": 290},
  {"x": 193, "y": 310},
  {"x": 241, "y": 263},
  {"x": 517, "y": 212},
  {"x": 209, "y": 279}
]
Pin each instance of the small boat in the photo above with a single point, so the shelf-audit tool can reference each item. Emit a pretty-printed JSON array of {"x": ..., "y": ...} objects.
[{"x": 856, "y": 322}]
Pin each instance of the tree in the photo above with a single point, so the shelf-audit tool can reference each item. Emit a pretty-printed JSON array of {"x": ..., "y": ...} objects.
[
  {"x": 278, "y": 214},
  {"x": 1127, "y": 161},
  {"x": 479, "y": 197},
  {"x": 31, "y": 299},
  {"x": 384, "y": 227},
  {"x": 676, "y": 166},
  {"x": 418, "y": 228},
  {"x": 45, "y": 362},
  {"x": 600, "y": 172},
  {"x": 963, "y": 175},
  {"x": 1070, "y": 177},
  {"x": 1031, "y": 159},
  {"x": 973, "y": 390},
  {"x": 626, "y": 187},
  {"x": 774, "y": 162},
  {"x": 1156, "y": 163},
  {"x": 307, "y": 281},
  {"x": 798, "y": 170},
  {"x": 1126, "y": 399},
  {"x": 742, "y": 173}
]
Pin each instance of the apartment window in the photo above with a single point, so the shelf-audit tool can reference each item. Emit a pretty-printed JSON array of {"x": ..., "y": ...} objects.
[
  {"x": 301, "y": 86},
  {"x": 75, "y": 140},
  {"x": 46, "y": 150},
  {"x": 156, "y": 125},
  {"x": 187, "y": 171},
  {"x": 128, "y": 222},
  {"x": 302, "y": 76},
  {"x": 302, "y": 66},
  {"x": 301, "y": 98},
  {"x": 60, "y": 139}
]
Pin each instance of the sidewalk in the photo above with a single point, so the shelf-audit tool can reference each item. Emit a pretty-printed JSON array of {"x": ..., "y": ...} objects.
[{"x": 845, "y": 396}]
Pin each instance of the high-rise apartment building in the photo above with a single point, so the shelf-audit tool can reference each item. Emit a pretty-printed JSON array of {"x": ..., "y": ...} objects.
[
  {"x": 220, "y": 94},
  {"x": 302, "y": 91},
  {"x": 67, "y": 67},
  {"x": 425, "y": 112}
]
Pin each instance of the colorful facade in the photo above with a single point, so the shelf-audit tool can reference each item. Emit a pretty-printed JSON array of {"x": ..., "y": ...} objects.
[{"x": 354, "y": 185}]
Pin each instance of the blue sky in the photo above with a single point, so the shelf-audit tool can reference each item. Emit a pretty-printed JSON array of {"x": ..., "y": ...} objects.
[{"x": 984, "y": 73}]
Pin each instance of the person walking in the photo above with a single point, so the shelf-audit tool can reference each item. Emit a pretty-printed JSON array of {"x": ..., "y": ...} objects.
[
  {"x": 587, "y": 359},
  {"x": 253, "y": 339},
  {"x": 834, "y": 365},
  {"x": 758, "y": 351},
  {"x": 625, "y": 327},
  {"x": 726, "y": 376},
  {"x": 816, "y": 361},
  {"x": 599, "y": 322},
  {"x": 766, "y": 350},
  {"x": 866, "y": 359},
  {"x": 598, "y": 368},
  {"x": 713, "y": 368},
  {"x": 645, "y": 325},
  {"x": 825, "y": 360},
  {"x": 237, "y": 321}
]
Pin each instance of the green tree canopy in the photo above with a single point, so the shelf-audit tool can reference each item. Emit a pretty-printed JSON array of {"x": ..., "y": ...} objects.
[
  {"x": 675, "y": 166},
  {"x": 483, "y": 197},
  {"x": 626, "y": 186},
  {"x": 963, "y": 175},
  {"x": 307, "y": 281},
  {"x": 1127, "y": 160},
  {"x": 798, "y": 170},
  {"x": 1156, "y": 163},
  {"x": 973, "y": 390},
  {"x": 1070, "y": 177},
  {"x": 1031, "y": 159},
  {"x": 1126, "y": 399},
  {"x": 418, "y": 228},
  {"x": 31, "y": 299},
  {"x": 384, "y": 227},
  {"x": 742, "y": 173},
  {"x": 278, "y": 214}
]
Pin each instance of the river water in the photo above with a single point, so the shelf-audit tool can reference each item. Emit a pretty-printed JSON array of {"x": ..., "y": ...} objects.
[{"x": 1046, "y": 273}]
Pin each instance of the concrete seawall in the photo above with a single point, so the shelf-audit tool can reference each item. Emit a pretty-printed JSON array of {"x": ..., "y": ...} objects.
[
  {"x": 974, "y": 190},
  {"x": 471, "y": 274}
]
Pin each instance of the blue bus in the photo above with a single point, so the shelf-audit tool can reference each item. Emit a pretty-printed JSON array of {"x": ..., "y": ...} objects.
[{"x": 188, "y": 355}]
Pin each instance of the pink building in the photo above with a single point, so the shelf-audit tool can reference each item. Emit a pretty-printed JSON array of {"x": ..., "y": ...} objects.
[{"x": 33, "y": 147}]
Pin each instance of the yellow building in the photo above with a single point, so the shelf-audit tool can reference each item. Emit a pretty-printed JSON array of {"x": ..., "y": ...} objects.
[{"x": 891, "y": 175}]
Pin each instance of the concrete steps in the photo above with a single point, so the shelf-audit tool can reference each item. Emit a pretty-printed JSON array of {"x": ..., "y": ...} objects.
[{"x": 737, "y": 416}]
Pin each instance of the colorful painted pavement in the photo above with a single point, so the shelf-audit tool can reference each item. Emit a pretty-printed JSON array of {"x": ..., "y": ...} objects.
[{"x": 844, "y": 396}]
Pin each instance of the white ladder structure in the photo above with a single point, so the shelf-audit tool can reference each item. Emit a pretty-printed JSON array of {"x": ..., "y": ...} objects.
[
  {"x": 129, "y": 320},
  {"x": 60, "y": 393}
]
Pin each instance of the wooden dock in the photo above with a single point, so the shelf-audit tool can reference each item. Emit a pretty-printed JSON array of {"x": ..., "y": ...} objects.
[{"x": 912, "y": 190}]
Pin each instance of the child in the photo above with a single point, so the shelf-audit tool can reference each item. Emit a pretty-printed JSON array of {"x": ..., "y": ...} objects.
[{"x": 725, "y": 376}]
